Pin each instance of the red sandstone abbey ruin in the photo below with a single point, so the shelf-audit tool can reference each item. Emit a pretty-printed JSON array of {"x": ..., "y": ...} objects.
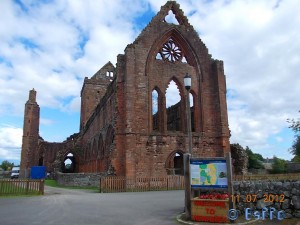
[{"x": 123, "y": 131}]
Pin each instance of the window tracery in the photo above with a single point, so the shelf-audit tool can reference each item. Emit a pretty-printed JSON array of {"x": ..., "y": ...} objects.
[{"x": 171, "y": 52}]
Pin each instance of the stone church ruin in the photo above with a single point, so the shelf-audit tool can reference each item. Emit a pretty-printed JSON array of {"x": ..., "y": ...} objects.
[{"x": 126, "y": 128}]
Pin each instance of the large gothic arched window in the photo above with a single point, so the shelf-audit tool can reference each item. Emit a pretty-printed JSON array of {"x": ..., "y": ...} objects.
[
  {"x": 173, "y": 107},
  {"x": 155, "y": 110}
]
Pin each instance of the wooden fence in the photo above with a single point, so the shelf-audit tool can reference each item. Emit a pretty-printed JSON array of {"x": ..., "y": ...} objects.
[
  {"x": 21, "y": 187},
  {"x": 287, "y": 176},
  {"x": 123, "y": 184}
]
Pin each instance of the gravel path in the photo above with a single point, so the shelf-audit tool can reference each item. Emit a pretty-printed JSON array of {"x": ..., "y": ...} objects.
[{"x": 61, "y": 206}]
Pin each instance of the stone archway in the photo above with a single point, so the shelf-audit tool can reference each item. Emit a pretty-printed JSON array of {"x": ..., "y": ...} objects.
[
  {"x": 69, "y": 163},
  {"x": 174, "y": 163}
]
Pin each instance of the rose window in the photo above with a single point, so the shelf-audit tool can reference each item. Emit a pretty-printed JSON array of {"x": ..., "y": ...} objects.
[{"x": 170, "y": 51}]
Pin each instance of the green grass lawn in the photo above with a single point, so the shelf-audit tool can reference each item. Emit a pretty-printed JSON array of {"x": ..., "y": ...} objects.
[{"x": 53, "y": 183}]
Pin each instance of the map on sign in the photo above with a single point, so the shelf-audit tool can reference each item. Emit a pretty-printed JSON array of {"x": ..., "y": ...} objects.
[{"x": 209, "y": 173}]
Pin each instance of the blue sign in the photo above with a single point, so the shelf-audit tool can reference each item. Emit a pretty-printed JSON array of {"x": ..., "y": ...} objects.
[{"x": 38, "y": 172}]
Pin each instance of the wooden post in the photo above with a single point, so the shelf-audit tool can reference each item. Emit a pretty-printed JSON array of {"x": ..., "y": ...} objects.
[
  {"x": 1, "y": 187},
  {"x": 27, "y": 187},
  {"x": 100, "y": 185},
  {"x": 42, "y": 186},
  {"x": 167, "y": 183},
  {"x": 186, "y": 164},
  {"x": 149, "y": 183}
]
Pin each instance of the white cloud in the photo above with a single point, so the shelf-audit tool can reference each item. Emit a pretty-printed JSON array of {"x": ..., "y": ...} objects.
[
  {"x": 279, "y": 139},
  {"x": 10, "y": 142},
  {"x": 258, "y": 43},
  {"x": 52, "y": 46},
  {"x": 73, "y": 105},
  {"x": 44, "y": 121}
]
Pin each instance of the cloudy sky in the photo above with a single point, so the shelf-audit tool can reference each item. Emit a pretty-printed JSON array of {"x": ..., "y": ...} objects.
[{"x": 52, "y": 45}]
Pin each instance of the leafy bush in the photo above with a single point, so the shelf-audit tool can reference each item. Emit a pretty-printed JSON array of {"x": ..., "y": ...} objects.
[{"x": 279, "y": 165}]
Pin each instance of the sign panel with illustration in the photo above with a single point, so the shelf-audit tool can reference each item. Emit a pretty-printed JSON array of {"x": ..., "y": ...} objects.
[{"x": 208, "y": 173}]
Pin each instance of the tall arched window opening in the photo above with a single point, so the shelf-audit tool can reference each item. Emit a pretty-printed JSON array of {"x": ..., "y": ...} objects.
[
  {"x": 155, "y": 110},
  {"x": 173, "y": 107},
  {"x": 192, "y": 108}
]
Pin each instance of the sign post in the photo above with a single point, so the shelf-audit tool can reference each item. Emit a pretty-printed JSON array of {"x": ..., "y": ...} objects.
[
  {"x": 214, "y": 176},
  {"x": 187, "y": 182}
]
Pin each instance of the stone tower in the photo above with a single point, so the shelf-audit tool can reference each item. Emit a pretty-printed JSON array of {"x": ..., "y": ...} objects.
[
  {"x": 29, "y": 153},
  {"x": 93, "y": 90}
]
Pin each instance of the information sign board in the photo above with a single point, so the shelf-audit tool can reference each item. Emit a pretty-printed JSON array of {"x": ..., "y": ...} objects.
[{"x": 208, "y": 173}]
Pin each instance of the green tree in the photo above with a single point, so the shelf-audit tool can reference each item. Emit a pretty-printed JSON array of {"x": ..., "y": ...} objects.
[
  {"x": 295, "y": 124},
  {"x": 279, "y": 165},
  {"x": 296, "y": 159},
  {"x": 5, "y": 165},
  {"x": 254, "y": 159},
  {"x": 295, "y": 149}
]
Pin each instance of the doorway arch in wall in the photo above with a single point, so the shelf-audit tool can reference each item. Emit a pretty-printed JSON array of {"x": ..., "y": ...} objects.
[
  {"x": 69, "y": 163},
  {"x": 174, "y": 163}
]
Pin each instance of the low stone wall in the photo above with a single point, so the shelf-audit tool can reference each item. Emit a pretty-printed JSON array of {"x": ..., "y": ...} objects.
[
  {"x": 282, "y": 195},
  {"x": 79, "y": 179},
  {"x": 293, "y": 167}
]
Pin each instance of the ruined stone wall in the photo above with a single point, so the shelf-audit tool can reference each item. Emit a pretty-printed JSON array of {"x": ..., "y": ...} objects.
[
  {"x": 116, "y": 128},
  {"x": 79, "y": 179},
  {"x": 140, "y": 72},
  {"x": 239, "y": 159},
  {"x": 98, "y": 134},
  {"x": 173, "y": 121},
  {"x": 155, "y": 152},
  {"x": 48, "y": 151},
  {"x": 92, "y": 147},
  {"x": 282, "y": 195},
  {"x": 93, "y": 90},
  {"x": 53, "y": 154}
]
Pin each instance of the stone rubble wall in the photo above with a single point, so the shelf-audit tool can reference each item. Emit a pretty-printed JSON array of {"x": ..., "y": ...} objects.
[
  {"x": 239, "y": 159},
  {"x": 259, "y": 194},
  {"x": 79, "y": 179}
]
